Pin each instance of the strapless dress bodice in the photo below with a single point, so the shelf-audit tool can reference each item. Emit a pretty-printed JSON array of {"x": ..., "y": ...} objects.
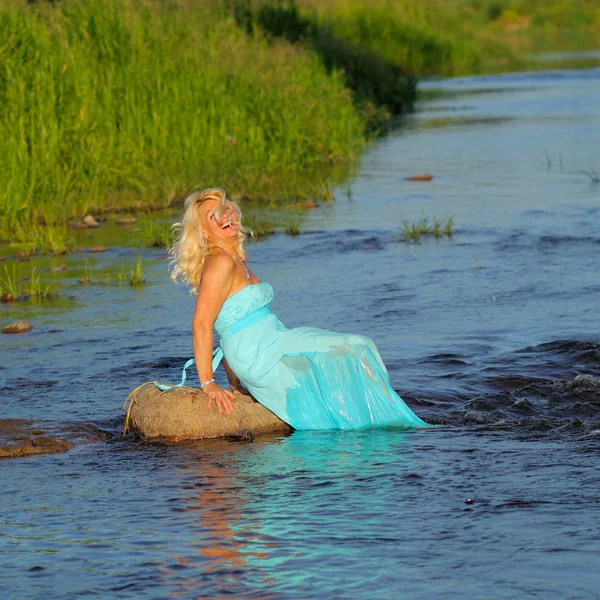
[{"x": 248, "y": 300}]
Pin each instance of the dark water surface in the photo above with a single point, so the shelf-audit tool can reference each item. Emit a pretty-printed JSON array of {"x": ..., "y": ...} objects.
[{"x": 493, "y": 334}]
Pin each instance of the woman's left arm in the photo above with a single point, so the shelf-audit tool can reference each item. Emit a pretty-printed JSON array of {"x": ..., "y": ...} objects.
[{"x": 214, "y": 288}]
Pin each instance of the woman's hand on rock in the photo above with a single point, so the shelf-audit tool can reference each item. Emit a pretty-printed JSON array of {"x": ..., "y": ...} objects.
[{"x": 220, "y": 396}]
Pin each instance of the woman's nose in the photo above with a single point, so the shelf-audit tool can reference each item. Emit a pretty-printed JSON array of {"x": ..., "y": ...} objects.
[{"x": 227, "y": 214}]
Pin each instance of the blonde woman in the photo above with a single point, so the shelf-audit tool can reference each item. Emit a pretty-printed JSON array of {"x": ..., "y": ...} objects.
[{"x": 310, "y": 378}]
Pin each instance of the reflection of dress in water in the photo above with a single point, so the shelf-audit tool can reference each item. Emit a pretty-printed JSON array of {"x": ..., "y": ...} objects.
[{"x": 310, "y": 378}]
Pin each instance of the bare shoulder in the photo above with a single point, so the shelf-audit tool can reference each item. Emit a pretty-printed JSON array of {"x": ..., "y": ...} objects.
[{"x": 219, "y": 263}]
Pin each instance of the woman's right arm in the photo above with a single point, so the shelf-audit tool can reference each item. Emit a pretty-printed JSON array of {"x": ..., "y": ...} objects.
[{"x": 217, "y": 279}]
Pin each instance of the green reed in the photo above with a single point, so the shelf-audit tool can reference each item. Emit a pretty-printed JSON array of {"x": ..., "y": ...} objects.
[
  {"x": 45, "y": 239},
  {"x": 156, "y": 235},
  {"x": 293, "y": 228},
  {"x": 133, "y": 276},
  {"x": 136, "y": 276},
  {"x": 438, "y": 228},
  {"x": 14, "y": 286},
  {"x": 123, "y": 103}
]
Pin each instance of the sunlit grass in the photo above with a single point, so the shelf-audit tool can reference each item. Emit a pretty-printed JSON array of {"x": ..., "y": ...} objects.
[{"x": 123, "y": 103}]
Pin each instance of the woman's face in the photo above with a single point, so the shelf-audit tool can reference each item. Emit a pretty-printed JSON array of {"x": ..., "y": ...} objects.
[{"x": 218, "y": 222}]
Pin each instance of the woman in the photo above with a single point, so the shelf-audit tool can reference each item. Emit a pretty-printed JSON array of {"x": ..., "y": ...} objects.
[{"x": 310, "y": 378}]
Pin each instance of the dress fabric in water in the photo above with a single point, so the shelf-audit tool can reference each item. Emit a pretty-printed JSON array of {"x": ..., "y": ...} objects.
[{"x": 310, "y": 378}]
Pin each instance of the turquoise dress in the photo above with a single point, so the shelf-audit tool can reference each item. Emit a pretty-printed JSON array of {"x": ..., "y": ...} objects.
[{"x": 310, "y": 378}]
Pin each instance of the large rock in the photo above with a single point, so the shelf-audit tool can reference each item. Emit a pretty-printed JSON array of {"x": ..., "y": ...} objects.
[{"x": 182, "y": 414}]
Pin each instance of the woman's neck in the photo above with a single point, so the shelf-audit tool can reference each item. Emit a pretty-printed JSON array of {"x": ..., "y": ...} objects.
[{"x": 229, "y": 248}]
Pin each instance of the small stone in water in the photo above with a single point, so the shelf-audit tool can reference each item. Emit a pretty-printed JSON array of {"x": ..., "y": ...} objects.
[
  {"x": 97, "y": 249},
  {"x": 90, "y": 221},
  {"x": 125, "y": 221},
  {"x": 17, "y": 327},
  {"x": 421, "y": 177},
  {"x": 77, "y": 226}
]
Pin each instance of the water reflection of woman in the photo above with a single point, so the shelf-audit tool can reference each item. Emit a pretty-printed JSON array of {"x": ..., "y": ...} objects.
[{"x": 310, "y": 378}]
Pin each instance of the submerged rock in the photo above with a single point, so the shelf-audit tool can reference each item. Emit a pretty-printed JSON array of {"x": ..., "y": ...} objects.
[
  {"x": 182, "y": 414},
  {"x": 24, "y": 438}
]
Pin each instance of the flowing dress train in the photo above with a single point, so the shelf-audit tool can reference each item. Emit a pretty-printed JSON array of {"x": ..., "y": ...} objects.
[{"x": 310, "y": 378}]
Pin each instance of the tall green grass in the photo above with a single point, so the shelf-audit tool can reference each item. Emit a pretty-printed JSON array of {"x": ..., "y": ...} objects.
[
  {"x": 442, "y": 37},
  {"x": 113, "y": 103},
  {"x": 450, "y": 37},
  {"x": 379, "y": 85}
]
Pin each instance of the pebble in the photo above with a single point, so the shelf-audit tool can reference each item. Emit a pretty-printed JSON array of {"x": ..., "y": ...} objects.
[
  {"x": 90, "y": 221},
  {"x": 97, "y": 249},
  {"x": 125, "y": 221},
  {"x": 17, "y": 327},
  {"x": 421, "y": 177}
]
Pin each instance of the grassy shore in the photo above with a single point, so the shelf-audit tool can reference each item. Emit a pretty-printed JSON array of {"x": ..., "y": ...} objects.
[
  {"x": 116, "y": 105},
  {"x": 109, "y": 104},
  {"x": 455, "y": 37}
]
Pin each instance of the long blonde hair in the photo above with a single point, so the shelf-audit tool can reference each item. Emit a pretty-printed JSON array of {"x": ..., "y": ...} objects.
[{"x": 190, "y": 249}]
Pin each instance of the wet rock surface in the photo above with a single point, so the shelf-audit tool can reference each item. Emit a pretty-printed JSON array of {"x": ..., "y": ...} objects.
[
  {"x": 181, "y": 414},
  {"x": 24, "y": 438}
]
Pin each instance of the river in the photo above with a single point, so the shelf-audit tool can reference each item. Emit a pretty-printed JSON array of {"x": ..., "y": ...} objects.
[{"x": 492, "y": 334}]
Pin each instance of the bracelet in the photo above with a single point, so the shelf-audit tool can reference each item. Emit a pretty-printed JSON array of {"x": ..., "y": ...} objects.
[{"x": 205, "y": 383}]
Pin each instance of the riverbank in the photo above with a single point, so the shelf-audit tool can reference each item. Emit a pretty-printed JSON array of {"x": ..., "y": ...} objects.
[
  {"x": 461, "y": 37},
  {"x": 124, "y": 105}
]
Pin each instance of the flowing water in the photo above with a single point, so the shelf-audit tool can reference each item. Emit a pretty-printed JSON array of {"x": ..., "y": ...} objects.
[{"x": 493, "y": 334}]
